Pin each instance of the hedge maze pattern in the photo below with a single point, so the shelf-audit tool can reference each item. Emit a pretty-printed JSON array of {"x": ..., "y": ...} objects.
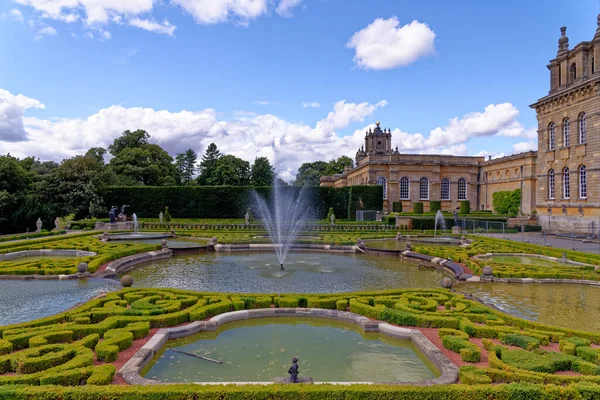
[{"x": 77, "y": 347}]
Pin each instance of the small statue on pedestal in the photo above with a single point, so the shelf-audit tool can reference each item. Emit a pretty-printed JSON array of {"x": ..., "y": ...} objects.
[
  {"x": 57, "y": 223},
  {"x": 332, "y": 219},
  {"x": 455, "y": 213},
  {"x": 293, "y": 371},
  {"x": 160, "y": 217},
  {"x": 38, "y": 225},
  {"x": 112, "y": 214}
]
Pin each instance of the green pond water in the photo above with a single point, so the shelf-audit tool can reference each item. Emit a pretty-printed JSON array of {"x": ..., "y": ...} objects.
[
  {"x": 262, "y": 349},
  {"x": 303, "y": 273},
  {"x": 568, "y": 305},
  {"x": 526, "y": 260}
]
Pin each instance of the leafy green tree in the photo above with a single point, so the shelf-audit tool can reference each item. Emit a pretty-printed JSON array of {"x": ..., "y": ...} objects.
[
  {"x": 262, "y": 172},
  {"x": 208, "y": 164},
  {"x": 97, "y": 153},
  {"x": 231, "y": 170},
  {"x": 14, "y": 183},
  {"x": 186, "y": 165},
  {"x": 129, "y": 140},
  {"x": 309, "y": 174},
  {"x": 337, "y": 166},
  {"x": 140, "y": 161}
]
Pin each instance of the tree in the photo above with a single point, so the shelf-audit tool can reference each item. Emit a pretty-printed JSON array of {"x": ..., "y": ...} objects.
[
  {"x": 97, "y": 153},
  {"x": 262, "y": 172},
  {"x": 208, "y": 164},
  {"x": 309, "y": 174},
  {"x": 337, "y": 166},
  {"x": 129, "y": 140},
  {"x": 140, "y": 161},
  {"x": 231, "y": 170},
  {"x": 186, "y": 165},
  {"x": 14, "y": 183}
]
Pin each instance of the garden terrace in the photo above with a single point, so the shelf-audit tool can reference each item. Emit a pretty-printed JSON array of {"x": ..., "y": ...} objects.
[{"x": 84, "y": 345}]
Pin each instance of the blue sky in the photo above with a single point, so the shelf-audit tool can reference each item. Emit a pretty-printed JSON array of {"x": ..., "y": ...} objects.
[{"x": 243, "y": 70}]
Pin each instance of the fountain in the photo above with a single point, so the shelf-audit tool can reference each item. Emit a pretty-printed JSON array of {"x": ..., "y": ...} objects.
[
  {"x": 136, "y": 227},
  {"x": 283, "y": 218},
  {"x": 439, "y": 219}
]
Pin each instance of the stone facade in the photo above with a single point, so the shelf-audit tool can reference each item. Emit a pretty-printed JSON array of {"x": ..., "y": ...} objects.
[
  {"x": 568, "y": 165},
  {"x": 568, "y": 156}
]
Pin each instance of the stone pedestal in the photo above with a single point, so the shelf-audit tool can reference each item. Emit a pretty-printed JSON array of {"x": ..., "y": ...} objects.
[{"x": 456, "y": 230}]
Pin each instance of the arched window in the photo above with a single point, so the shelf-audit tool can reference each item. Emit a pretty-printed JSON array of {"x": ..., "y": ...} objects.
[
  {"x": 462, "y": 189},
  {"x": 551, "y": 184},
  {"x": 445, "y": 189},
  {"x": 573, "y": 72},
  {"x": 582, "y": 183},
  {"x": 404, "y": 188},
  {"x": 566, "y": 184},
  {"x": 582, "y": 128},
  {"x": 424, "y": 189},
  {"x": 383, "y": 182},
  {"x": 551, "y": 137},
  {"x": 566, "y": 133}
]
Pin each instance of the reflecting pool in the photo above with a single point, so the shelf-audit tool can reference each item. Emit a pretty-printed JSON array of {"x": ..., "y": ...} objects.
[
  {"x": 568, "y": 305},
  {"x": 303, "y": 273},
  {"x": 259, "y": 350},
  {"x": 22, "y": 301}
]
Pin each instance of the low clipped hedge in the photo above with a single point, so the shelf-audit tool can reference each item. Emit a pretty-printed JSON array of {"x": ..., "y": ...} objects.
[
  {"x": 522, "y": 341},
  {"x": 469, "y": 352}
]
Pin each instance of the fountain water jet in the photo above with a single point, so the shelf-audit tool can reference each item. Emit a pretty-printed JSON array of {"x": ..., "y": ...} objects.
[
  {"x": 136, "y": 227},
  {"x": 439, "y": 219},
  {"x": 284, "y": 217}
]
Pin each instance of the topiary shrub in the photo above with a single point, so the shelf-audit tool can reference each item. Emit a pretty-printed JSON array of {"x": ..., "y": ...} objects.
[
  {"x": 435, "y": 206},
  {"x": 397, "y": 206},
  {"x": 418, "y": 208},
  {"x": 507, "y": 202},
  {"x": 167, "y": 216},
  {"x": 465, "y": 207}
]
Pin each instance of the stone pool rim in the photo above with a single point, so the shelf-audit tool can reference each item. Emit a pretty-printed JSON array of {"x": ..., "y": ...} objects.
[
  {"x": 130, "y": 372},
  {"x": 486, "y": 256}
]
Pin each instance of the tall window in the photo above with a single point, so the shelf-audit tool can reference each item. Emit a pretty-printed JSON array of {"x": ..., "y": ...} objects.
[
  {"x": 424, "y": 189},
  {"x": 383, "y": 182},
  {"x": 582, "y": 183},
  {"x": 582, "y": 128},
  {"x": 551, "y": 132},
  {"x": 573, "y": 72},
  {"x": 593, "y": 65},
  {"x": 404, "y": 188},
  {"x": 551, "y": 184},
  {"x": 566, "y": 133},
  {"x": 445, "y": 189},
  {"x": 462, "y": 189},
  {"x": 566, "y": 184}
]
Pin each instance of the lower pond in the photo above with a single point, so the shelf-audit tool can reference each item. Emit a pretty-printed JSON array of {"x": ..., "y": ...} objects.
[
  {"x": 303, "y": 273},
  {"x": 259, "y": 350},
  {"x": 568, "y": 305},
  {"x": 22, "y": 301}
]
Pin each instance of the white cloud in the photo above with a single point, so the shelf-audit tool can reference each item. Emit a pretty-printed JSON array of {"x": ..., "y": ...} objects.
[
  {"x": 247, "y": 135},
  {"x": 16, "y": 14},
  {"x": 216, "y": 11},
  {"x": 384, "y": 44},
  {"x": 263, "y": 102},
  {"x": 313, "y": 104},
  {"x": 284, "y": 8},
  {"x": 45, "y": 31},
  {"x": 165, "y": 28},
  {"x": 525, "y": 146},
  {"x": 12, "y": 108}
]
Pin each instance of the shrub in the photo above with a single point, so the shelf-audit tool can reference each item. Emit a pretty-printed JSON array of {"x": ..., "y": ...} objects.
[
  {"x": 468, "y": 351},
  {"x": 589, "y": 354},
  {"x": 435, "y": 206},
  {"x": 418, "y": 208},
  {"x": 102, "y": 375},
  {"x": 167, "y": 215},
  {"x": 5, "y": 347},
  {"x": 465, "y": 207},
  {"x": 522, "y": 341},
  {"x": 471, "y": 375},
  {"x": 507, "y": 202},
  {"x": 452, "y": 332},
  {"x": 341, "y": 305},
  {"x": 397, "y": 206}
]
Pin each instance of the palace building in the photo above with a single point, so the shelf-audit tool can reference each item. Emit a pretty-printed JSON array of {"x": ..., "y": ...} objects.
[{"x": 559, "y": 182}]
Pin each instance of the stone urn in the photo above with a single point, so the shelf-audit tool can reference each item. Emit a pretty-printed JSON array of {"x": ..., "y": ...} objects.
[
  {"x": 82, "y": 267},
  {"x": 487, "y": 271},
  {"x": 360, "y": 243},
  {"x": 408, "y": 246},
  {"x": 163, "y": 243},
  {"x": 127, "y": 281},
  {"x": 446, "y": 283}
]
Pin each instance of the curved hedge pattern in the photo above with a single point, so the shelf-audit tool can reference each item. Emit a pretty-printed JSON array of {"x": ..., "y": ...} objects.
[{"x": 61, "y": 349}]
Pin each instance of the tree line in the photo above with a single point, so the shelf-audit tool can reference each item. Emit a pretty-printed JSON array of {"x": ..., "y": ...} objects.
[{"x": 31, "y": 189}]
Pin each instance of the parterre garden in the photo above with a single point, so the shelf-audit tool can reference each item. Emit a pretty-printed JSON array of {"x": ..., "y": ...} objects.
[{"x": 77, "y": 347}]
